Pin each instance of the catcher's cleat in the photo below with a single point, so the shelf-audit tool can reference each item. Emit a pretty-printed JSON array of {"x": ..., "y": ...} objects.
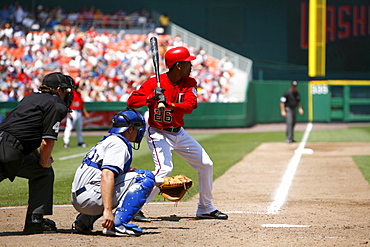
[
  {"x": 140, "y": 217},
  {"x": 79, "y": 227},
  {"x": 217, "y": 214},
  {"x": 123, "y": 230},
  {"x": 39, "y": 225}
]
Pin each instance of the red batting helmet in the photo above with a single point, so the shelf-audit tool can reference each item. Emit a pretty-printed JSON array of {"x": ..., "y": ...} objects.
[{"x": 177, "y": 54}]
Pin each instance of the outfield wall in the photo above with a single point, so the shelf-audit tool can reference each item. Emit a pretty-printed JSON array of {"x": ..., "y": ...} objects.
[
  {"x": 264, "y": 100},
  {"x": 322, "y": 101},
  {"x": 207, "y": 115},
  {"x": 261, "y": 106}
]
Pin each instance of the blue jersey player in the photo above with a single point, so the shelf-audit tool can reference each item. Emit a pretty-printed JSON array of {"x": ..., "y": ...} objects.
[{"x": 105, "y": 180}]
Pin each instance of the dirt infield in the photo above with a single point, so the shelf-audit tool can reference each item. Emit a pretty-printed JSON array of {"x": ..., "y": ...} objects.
[{"x": 327, "y": 205}]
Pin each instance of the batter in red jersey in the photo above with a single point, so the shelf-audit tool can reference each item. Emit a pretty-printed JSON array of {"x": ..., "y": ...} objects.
[{"x": 165, "y": 133}]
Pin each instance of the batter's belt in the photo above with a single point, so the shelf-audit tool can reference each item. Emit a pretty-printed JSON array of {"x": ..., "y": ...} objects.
[{"x": 173, "y": 129}]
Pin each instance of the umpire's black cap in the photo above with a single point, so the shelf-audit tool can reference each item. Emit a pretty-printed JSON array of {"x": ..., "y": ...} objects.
[{"x": 57, "y": 79}]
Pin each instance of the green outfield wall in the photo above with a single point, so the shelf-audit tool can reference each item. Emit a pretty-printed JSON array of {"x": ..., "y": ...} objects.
[
  {"x": 207, "y": 115},
  {"x": 261, "y": 106},
  {"x": 339, "y": 101},
  {"x": 322, "y": 101},
  {"x": 264, "y": 100}
]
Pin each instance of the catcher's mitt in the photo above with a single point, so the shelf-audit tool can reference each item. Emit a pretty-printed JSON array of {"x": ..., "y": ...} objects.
[{"x": 174, "y": 188}]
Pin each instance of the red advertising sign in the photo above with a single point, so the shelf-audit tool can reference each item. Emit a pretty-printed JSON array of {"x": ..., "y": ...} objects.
[{"x": 98, "y": 119}]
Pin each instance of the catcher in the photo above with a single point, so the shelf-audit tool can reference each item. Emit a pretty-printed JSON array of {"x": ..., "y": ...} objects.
[{"x": 105, "y": 181}]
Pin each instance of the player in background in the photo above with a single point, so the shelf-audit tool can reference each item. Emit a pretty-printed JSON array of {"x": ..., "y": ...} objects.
[
  {"x": 34, "y": 124},
  {"x": 106, "y": 181},
  {"x": 74, "y": 118},
  {"x": 165, "y": 132},
  {"x": 290, "y": 100}
]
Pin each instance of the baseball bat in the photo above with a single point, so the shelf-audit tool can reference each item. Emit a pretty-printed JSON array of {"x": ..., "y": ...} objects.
[{"x": 155, "y": 56}]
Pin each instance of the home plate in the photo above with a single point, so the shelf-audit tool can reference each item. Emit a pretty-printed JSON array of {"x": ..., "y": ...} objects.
[{"x": 283, "y": 225}]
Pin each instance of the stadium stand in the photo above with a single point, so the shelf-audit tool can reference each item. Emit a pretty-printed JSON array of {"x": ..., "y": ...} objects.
[{"x": 108, "y": 65}]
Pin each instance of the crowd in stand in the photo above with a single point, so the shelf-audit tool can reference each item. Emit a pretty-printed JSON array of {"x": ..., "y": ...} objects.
[
  {"x": 56, "y": 17},
  {"x": 108, "y": 66}
]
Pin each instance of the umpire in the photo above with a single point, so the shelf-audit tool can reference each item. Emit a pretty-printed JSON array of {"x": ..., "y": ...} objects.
[
  {"x": 288, "y": 104},
  {"x": 34, "y": 124}
]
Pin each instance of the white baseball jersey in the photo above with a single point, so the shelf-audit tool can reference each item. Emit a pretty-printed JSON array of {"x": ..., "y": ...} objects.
[{"x": 112, "y": 152}]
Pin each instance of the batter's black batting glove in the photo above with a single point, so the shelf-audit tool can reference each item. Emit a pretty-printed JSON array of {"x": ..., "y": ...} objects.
[
  {"x": 159, "y": 90},
  {"x": 161, "y": 99},
  {"x": 159, "y": 93}
]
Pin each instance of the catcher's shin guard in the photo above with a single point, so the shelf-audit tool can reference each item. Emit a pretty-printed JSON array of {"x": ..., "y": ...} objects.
[{"x": 135, "y": 197}]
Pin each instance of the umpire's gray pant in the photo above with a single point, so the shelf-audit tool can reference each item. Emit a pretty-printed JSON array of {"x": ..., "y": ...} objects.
[{"x": 290, "y": 123}]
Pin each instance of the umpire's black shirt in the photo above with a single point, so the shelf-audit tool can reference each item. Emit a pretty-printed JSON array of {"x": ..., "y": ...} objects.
[
  {"x": 36, "y": 117},
  {"x": 291, "y": 99}
]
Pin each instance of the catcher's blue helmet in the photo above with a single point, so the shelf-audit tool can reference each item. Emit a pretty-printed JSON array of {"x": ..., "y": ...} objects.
[{"x": 129, "y": 118}]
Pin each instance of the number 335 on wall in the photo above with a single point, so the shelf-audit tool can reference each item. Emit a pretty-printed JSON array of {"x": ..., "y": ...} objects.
[{"x": 319, "y": 89}]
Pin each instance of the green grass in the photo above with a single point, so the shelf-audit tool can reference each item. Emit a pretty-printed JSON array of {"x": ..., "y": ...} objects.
[
  {"x": 352, "y": 134},
  {"x": 225, "y": 149},
  {"x": 363, "y": 163}
]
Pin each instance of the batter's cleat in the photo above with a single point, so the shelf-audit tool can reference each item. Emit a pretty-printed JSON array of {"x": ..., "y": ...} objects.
[
  {"x": 82, "y": 145},
  {"x": 39, "y": 225},
  {"x": 125, "y": 230},
  {"x": 140, "y": 217},
  {"x": 66, "y": 145},
  {"x": 217, "y": 214}
]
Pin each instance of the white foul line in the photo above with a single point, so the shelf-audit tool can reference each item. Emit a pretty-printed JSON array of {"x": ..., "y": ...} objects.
[
  {"x": 72, "y": 156},
  {"x": 283, "y": 225},
  {"x": 282, "y": 191}
]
